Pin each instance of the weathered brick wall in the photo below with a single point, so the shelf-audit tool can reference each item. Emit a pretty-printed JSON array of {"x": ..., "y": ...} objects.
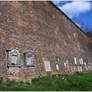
[{"x": 43, "y": 29}]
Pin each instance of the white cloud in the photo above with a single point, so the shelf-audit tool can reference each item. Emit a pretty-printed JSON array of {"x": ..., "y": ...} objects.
[
  {"x": 74, "y": 9},
  {"x": 56, "y": 2}
]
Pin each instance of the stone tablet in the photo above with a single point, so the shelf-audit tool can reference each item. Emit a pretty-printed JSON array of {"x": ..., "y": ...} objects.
[
  {"x": 13, "y": 57},
  {"x": 47, "y": 66},
  {"x": 81, "y": 61},
  {"x": 57, "y": 67},
  {"x": 29, "y": 59},
  {"x": 75, "y": 60}
]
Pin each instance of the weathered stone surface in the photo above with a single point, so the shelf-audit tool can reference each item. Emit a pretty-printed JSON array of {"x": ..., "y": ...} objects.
[{"x": 41, "y": 28}]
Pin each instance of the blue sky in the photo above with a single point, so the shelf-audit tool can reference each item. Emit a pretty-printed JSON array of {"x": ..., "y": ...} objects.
[{"x": 79, "y": 12}]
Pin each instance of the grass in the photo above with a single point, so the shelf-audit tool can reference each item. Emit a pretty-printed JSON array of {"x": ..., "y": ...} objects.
[{"x": 62, "y": 82}]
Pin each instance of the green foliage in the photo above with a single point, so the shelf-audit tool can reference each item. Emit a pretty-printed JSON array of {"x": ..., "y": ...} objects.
[{"x": 61, "y": 82}]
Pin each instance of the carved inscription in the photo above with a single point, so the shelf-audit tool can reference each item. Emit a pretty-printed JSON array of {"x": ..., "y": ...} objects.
[
  {"x": 13, "y": 57},
  {"x": 29, "y": 59},
  {"x": 47, "y": 66}
]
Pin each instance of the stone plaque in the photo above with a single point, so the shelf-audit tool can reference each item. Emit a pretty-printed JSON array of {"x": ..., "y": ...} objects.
[
  {"x": 75, "y": 60},
  {"x": 13, "y": 57},
  {"x": 81, "y": 61},
  {"x": 14, "y": 60},
  {"x": 47, "y": 66},
  {"x": 29, "y": 57},
  {"x": 65, "y": 64}
]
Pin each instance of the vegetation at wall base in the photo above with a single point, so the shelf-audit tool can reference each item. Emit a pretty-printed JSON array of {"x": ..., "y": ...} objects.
[{"x": 62, "y": 82}]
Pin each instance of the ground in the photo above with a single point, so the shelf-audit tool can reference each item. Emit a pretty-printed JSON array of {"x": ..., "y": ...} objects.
[{"x": 62, "y": 82}]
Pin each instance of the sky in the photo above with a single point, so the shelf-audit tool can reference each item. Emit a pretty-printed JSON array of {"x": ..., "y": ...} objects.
[{"x": 79, "y": 12}]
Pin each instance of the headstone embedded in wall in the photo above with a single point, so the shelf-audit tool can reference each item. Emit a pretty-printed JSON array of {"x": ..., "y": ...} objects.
[
  {"x": 13, "y": 57},
  {"x": 75, "y": 60},
  {"x": 47, "y": 66},
  {"x": 29, "y": 59},
  {"x": 81, "y": 61},
  {"x": 57, "y": 67},
  {"x": 65, "y": 64}
]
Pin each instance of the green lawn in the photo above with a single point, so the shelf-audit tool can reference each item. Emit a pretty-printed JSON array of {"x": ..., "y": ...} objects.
[{"x": 64, "y": 82}]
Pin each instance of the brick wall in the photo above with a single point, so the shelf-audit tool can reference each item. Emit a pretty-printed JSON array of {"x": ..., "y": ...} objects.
[{"x": 43, "y": 29}]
